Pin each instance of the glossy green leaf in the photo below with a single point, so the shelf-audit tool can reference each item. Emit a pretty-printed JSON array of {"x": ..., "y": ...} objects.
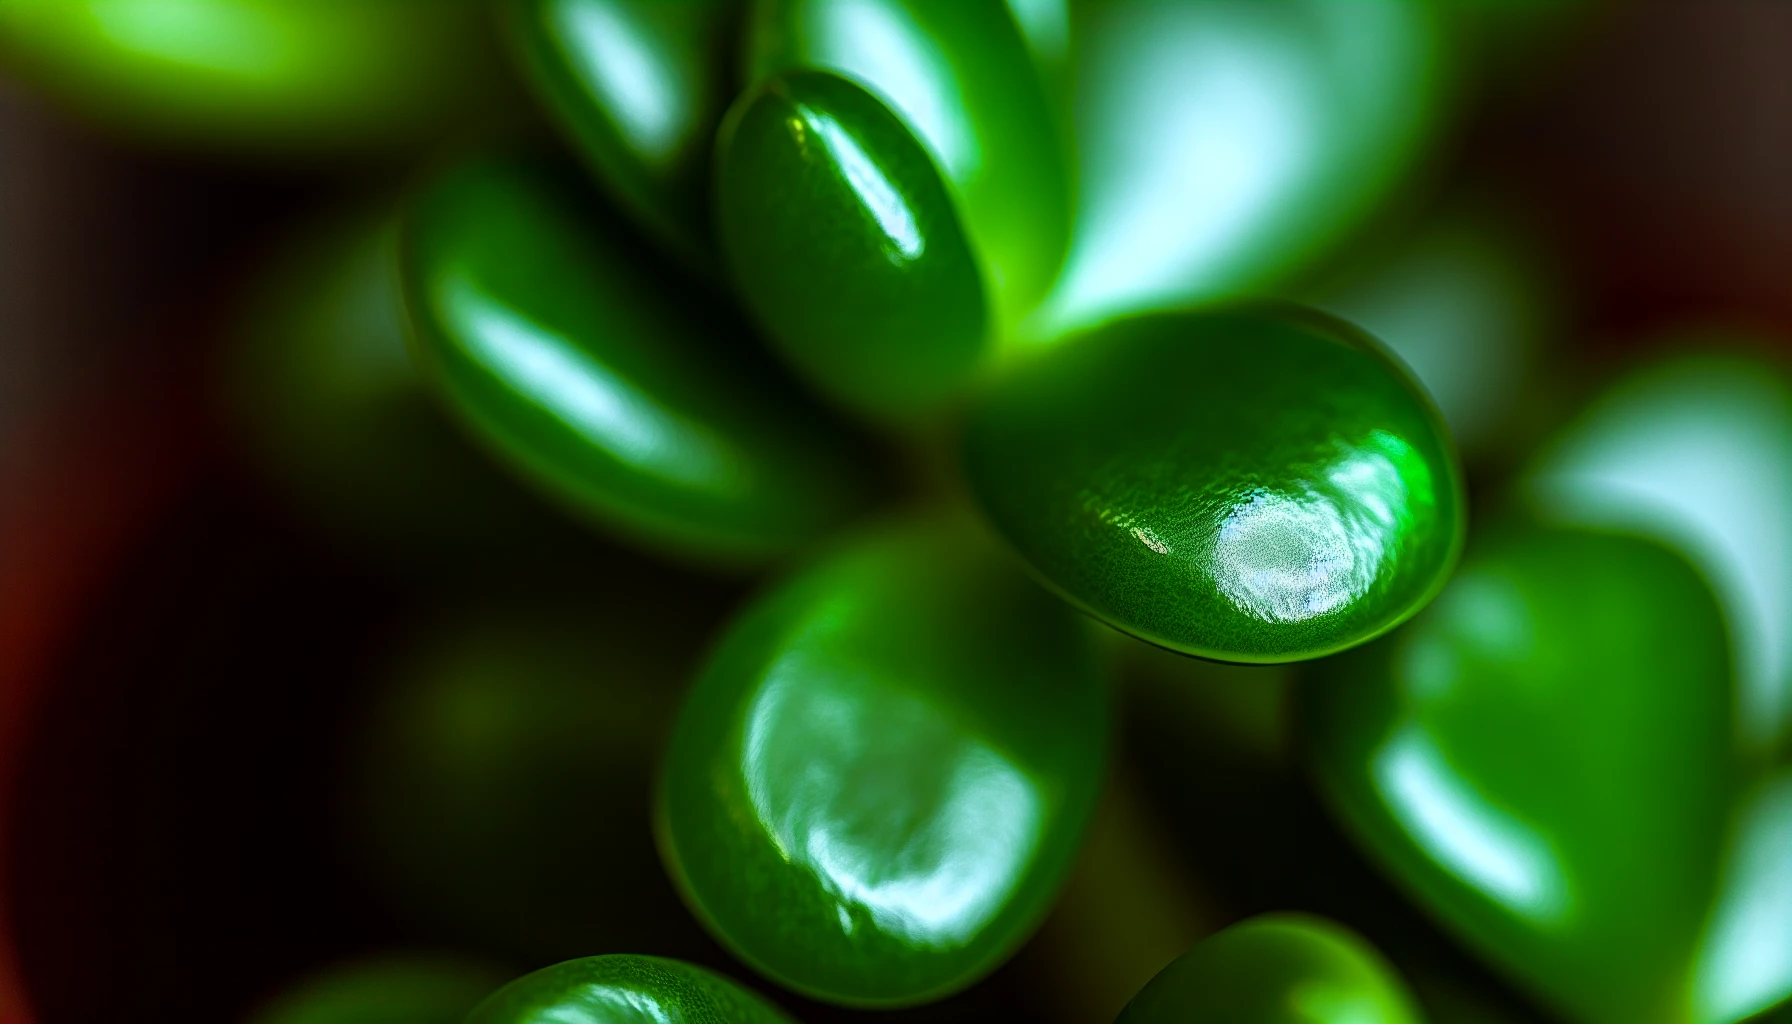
[
  {"x": 582, "y": 366},
  {"x": 1276, "y": 969},
  {"x": 960, "y": 77},
  {"x": 413, "y": 989},
  {"x": 623, "y": 989},
  {"x": 847, "y": 247},
  {"x": 1223, "y": 143},
  {"x": 639, "y": 87},
  {"x": 286, "y": 75},
  {"x": 879, "y": 781},
  {"x": 498, "y": 781},
  {"x": 1544, "y": 758},
  {"x": 1258, "y": 484},
  {"x": 1695, "y": 451}
]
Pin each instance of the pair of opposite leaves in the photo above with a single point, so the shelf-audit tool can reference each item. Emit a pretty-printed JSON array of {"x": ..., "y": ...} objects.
[
  {"x": 1278, "y": 969},
  {"x": 1563, "y": 755}
]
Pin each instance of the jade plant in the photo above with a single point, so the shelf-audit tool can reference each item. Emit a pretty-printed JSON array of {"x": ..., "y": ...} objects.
[
  {"x": 968, "y": 332},
  {"x": 881, "y": 775}
]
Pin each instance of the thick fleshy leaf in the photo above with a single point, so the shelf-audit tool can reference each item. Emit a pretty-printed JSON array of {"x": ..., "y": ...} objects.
[
  {"x": 879, "y": 781},
  {"x": 1224, "y": 143},
  {"x": 279, "y": 75},
  {"x": 960, "y": 77},
  {"x": 847, "y": 247},
  {"x": 415, "y": 989},
  {"x": 1695, "y": 451},
  {"x": 599, "y": 379},
  {"x": 1276, "y": 969},
  {"x": 624, "y": 989},
  {"x": 1258, "y": 484},
  {"x": 638, "y": 86},
  {"x": 1544, "y": 758}
]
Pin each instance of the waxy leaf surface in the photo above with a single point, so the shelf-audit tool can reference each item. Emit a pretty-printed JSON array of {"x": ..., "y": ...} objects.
[
  {"x": 1259, "y": 484},
  {"x": 960, "y": 77},
  {"x": 549, "y": 336},
  {"x": 847, "y": 248},
  {"x": 878, "y": 782},
  {"x": 638, "y": 86},
  {"x": 1544, "y": 758}
]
